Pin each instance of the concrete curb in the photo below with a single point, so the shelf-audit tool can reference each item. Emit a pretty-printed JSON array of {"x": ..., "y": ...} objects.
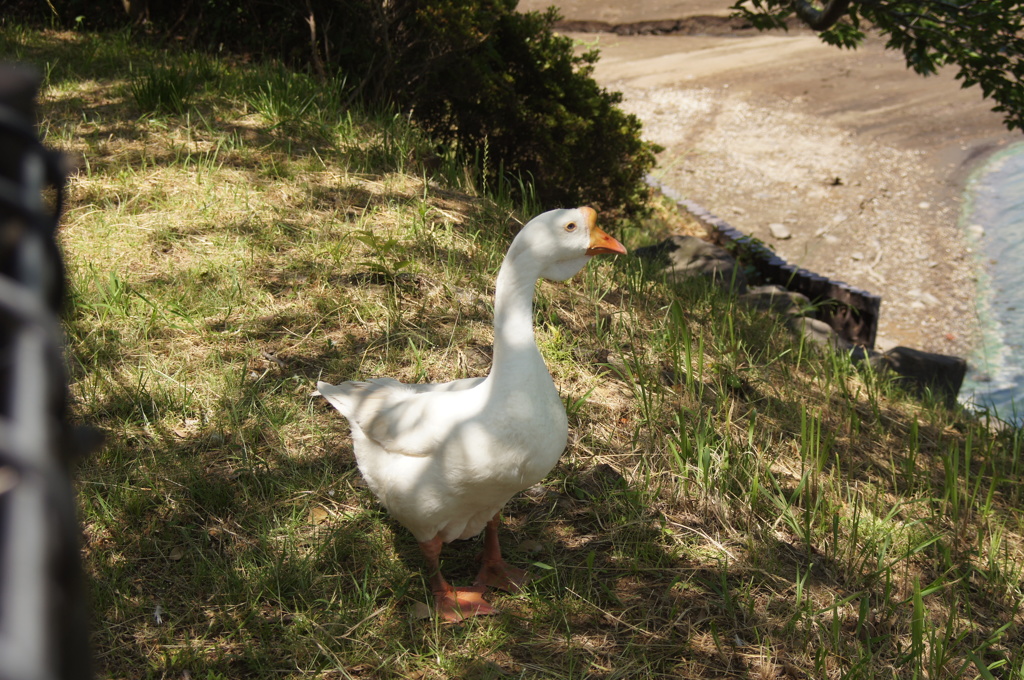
[{"x": 851, "y": 312}]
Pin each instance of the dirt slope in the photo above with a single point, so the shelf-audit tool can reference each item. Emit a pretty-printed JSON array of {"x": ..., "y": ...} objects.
[{"x": 862, "y": 160}]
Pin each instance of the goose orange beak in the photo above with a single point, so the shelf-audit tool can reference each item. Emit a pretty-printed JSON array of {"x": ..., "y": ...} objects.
[{"x": 600, "y": 242}]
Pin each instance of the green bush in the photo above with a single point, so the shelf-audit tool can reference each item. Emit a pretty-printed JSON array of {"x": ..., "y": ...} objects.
[
  {"x": 500, "y": 87},
  {"x": 494, "y": 85},
  {"x": 523, "y": 95}
]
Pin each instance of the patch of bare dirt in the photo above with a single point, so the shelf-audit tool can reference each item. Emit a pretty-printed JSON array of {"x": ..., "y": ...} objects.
[{"x": 862, "y": 160}]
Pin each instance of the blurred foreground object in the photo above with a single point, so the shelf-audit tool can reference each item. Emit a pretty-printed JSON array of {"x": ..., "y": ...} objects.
[{"x": 43, "y": 631}]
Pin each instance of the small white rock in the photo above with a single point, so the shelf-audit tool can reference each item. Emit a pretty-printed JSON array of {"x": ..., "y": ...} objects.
[
  {"x": 976, "y": 231},
  {"x": 884, "y": 344},
  {"x": 779, "y": 231}
]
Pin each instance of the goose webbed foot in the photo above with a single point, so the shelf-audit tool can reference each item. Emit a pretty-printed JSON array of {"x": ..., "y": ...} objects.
[
  {"x": 452, "y": 604},
  {"x": 456, "y": 604},
  {"x": 494, "y": 571}
]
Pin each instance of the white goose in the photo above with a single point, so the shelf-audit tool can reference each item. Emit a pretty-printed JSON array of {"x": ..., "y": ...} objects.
[{"x": 445, "y": 458}]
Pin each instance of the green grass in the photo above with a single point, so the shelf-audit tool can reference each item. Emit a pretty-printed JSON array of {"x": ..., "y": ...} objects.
[{"x": 731, "y": 504}]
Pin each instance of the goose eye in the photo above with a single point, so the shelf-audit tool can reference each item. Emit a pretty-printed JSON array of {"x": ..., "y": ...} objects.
[{"x": 571, "y": 226}]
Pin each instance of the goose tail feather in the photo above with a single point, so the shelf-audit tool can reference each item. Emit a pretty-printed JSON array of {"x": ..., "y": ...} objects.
[{"x": 339, "y": 396}]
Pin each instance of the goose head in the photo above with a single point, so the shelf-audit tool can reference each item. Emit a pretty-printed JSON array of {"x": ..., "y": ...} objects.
[{"x": 563, "y": 241}]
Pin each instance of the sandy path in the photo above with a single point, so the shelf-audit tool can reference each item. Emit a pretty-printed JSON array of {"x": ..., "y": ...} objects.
[{"x": 863, "y": 161}]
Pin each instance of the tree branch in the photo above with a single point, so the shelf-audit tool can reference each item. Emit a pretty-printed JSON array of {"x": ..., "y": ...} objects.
[
  {"x": 318, "y": 63},
  {"x": 821, "y": 19}
]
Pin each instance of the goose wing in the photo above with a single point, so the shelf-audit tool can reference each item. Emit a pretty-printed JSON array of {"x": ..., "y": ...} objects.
[{"x": 410, "y": 420}]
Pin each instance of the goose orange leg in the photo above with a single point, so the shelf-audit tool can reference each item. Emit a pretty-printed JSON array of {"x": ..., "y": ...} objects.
[
  {"x": 494, "y": 571},
  {"x": 453, "y": 604}
]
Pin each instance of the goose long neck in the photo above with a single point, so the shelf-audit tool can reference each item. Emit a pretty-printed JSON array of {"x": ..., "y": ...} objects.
[{"x": 514, "y": 341}]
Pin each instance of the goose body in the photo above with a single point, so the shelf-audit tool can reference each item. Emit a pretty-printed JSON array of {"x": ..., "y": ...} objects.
[
  {"x": 443, "y": 475},
  {"x": 445, "y": 458}
]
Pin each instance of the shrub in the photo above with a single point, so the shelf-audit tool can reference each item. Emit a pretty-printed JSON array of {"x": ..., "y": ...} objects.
[
  {"x": 491, "y": 83},
  {"x": 524, "y": 95}
]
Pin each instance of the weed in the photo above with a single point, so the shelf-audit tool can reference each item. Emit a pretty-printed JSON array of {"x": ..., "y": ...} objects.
[{"x": 163, "y": 90}]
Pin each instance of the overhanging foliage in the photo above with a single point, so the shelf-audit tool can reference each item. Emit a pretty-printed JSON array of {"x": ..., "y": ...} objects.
[{"x": 983, "y": 39}]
